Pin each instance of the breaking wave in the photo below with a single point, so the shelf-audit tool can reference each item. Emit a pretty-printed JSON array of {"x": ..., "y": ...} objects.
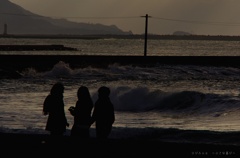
[
  {"x": 129, "y": 72},
  {"x": 189, "y": 102}
]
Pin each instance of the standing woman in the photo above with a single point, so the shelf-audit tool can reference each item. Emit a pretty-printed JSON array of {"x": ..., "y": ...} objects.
[
  {"x": 82, "y": 113},
  {"x": 53, "y": 106},
  {"x": 103, "y": 113}
]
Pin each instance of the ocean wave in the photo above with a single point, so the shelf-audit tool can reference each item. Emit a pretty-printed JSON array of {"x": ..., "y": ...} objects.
[
  {"x": 130, "y": 72},
  {"x": 143, "y": 99},
  {"x": 9, "y": 74}
]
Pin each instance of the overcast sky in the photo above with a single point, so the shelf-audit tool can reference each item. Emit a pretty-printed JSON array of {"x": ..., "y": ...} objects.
[{"x": 207, "y": 17}]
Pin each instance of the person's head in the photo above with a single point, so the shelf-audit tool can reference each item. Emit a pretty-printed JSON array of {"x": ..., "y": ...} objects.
[
  {"x": 83, "y": 92},
  {"x": 57, "y": 88},
  {"x": 103, "y": 92}
]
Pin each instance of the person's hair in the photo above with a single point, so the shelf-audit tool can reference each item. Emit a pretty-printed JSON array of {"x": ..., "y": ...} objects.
[
  {"x": 57, "y": 88},
  {"x": 104, "y": 91},
  {"x": 83, "y": 92}
]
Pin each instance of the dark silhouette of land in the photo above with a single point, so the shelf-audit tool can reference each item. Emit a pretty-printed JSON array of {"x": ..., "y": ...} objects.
[{"x": 21, "y": 21}]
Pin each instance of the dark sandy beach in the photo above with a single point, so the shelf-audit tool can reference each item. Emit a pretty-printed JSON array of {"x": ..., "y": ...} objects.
[{"x": 39, "y": 145}]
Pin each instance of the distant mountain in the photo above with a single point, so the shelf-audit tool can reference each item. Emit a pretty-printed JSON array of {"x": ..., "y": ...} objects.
[{"x": 21, "y": 21}]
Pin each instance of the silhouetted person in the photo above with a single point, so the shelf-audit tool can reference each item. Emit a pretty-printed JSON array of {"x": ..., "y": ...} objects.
[
  {"x": 82, "y": 113},
  {"x": 103, "y": 113},
  {"x": 53, "y": 106}
]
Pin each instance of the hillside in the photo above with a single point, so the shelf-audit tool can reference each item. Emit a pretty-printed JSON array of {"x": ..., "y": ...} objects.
[{"x": 21, "y": 21}]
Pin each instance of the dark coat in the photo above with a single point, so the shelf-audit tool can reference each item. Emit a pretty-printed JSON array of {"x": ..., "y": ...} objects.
[
  {"x": 54, "y": 106},
  {"x": 82, "y": 117},
  {"x": 104, "y": 117}
]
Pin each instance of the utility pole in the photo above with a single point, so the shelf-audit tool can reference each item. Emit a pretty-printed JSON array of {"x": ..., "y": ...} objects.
[
  {"x": 146, "y": 34},
  {"x": 5, "y": 30}
]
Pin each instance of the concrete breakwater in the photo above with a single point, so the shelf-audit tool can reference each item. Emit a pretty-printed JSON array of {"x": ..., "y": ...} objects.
[
  {"x": 51, "y": 47},
  {"x": 46, "y": 62}
]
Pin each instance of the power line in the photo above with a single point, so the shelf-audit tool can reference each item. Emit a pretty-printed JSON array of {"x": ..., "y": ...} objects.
[
  {"x": 199, "y": 22},
  {"x": 79, "y": 17},
  {"x": 75, "y": 17},
  {"x": 130, "y": 17},
  {"x": 16, "y": 14}
]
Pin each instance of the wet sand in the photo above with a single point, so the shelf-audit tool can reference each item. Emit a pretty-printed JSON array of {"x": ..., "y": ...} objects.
[{"x": 39, "y": 145}]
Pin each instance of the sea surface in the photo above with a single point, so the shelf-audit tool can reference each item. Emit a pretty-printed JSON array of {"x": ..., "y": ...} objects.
[{"x": 150, "y": 102}]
